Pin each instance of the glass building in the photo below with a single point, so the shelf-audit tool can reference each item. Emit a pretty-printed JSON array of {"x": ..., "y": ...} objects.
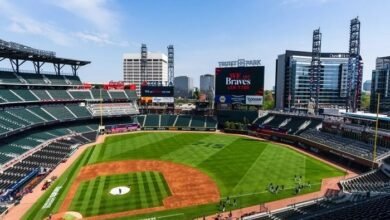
[
  {"x": 292, "y": 82},
  {"x": 380, "y": 83},
  {"x": 184, "y": 86}
]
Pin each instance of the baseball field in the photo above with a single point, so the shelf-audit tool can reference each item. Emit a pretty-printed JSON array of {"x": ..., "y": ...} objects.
[{"x": 179, "y": 176}]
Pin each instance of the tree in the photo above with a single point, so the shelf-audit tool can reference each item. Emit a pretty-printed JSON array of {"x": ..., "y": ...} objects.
[
  {"x": 268, "y": 102},
  {"x": 365, "y": 101},
  {"x": 195, "y": 94},
  {"x": 227, "y": 125}
]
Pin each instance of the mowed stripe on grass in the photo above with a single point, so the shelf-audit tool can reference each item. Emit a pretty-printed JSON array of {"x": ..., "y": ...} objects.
[{"x": 147, "y": 189}]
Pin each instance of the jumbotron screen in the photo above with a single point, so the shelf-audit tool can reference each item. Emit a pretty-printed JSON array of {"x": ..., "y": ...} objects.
[
  {"x": 157, "y": 91},
  {"x": 239, "y": 81}
]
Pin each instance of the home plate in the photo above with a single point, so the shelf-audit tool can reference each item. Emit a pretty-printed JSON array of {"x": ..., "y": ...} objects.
[{"x": 120, "y": 190}]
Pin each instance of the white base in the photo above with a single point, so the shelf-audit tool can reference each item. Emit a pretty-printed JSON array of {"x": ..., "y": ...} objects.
[{"x": 120, "y": 190}]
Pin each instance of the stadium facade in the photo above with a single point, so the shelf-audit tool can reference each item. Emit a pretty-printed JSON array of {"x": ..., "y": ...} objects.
[
  {"x": 184, "y": 86},
  {"x": 292, "y": 81},
  {"x": 380, "y": 84},
  {"x": 156, "y": 69}
]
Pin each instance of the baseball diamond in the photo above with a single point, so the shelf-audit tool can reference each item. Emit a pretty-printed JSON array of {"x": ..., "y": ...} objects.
[{"x": 181, "y": 172}]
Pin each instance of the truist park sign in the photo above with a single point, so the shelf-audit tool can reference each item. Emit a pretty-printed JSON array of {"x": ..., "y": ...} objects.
[
  {"x": 239, "y": 63},
  {"x": 239, "y": 81}
]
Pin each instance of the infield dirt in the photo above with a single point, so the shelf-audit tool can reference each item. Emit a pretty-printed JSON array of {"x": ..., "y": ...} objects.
[{"x": 188, "y": 185}]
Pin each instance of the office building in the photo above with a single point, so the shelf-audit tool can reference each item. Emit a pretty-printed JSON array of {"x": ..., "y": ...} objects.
[
  {"x": 184, "y": 86},
  {"x": 367, "y": 86},
  {"x": 292, "y": 83},
  {"x": 156, "y": 69},
  {"x": 207, "y": 85},
  {"x": 380, "y": 83}
]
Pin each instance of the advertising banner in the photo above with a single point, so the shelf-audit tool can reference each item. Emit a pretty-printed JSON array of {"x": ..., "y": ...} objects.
[
  {"x": 163, "y": 99},
  {"x": 254, "y": 100}
]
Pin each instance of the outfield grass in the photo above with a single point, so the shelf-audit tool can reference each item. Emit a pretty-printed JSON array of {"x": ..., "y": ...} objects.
[
  {"x": 147, "y": 189},
  {"x": 242, "y": 167}
]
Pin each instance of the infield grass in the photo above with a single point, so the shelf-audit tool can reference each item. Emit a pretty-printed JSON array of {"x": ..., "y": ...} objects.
[
  {"x": 242, "y": 167},
  {"x": 147, "y": 189}
]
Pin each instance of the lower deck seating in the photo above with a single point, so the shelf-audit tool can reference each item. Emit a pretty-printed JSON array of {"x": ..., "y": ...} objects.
[
  {"x": 47, "y": 157},
  {"x": 11, "y": 148},
  {"x": 374, "y": 181},
  {"x": 351, "y": 146}
]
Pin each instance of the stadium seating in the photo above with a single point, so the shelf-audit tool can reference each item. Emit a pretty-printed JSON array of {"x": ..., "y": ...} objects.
[
  {"x": 211, "y": 122},
  {"x": 277, "y": 120},
  {"x": 183, "y": 121},
  {"x": 351, "y": 146},
  {"x": 15, "y": 146},
  {"x": 74, "y": 80},
  {"x": 261, "y": 120},
  {"x": 9, "y": 78},
  {"x": 357, "y": 206},
  {"x": 56, "y": 79},
  {"x": 294, "y": 125},
  {"x": 198, "y": 121},
  {"x": 111, "y": 109},
  {"x": 373, "y": 181},
  {"x": 81, "y": 94},
  {"x": 100, "y": 93},
  {"x": 42, "y": 94},
  {"x": 59, "y": 112},
  {"x": 131, "y": 94},
  {"x": 25, "y": 94},
  {"x": 79, "y": 111},
  {"x": 8, "y": 96},
  {"x": 152, "y": 121},
  {"x": 167, "y": 120},
  {"x": 33, "y": 78},
  {"x": 38, "y": 111},
  {"x": 48, "y": 157},
  {"x": 59, "y": 94},
  {"x": 118, "y": 94},
  {"x": 140, "y": 119}
]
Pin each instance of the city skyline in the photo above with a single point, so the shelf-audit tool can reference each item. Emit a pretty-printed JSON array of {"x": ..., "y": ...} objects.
[{"x": 202, "y": 32}]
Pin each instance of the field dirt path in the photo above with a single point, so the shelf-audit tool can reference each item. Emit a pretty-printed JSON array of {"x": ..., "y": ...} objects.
[{"x": 188, "y": 185}]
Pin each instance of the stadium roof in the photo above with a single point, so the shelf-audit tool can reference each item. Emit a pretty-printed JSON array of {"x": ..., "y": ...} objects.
[
  {"x": 11, "y": 50},
  {"x": 367, "y": 116}
]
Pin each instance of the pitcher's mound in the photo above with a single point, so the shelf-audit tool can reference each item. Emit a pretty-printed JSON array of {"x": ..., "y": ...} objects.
[{"x": 120, "y": 190}]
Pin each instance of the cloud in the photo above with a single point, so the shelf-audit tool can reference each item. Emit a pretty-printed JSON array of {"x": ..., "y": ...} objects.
[
  {"x": 99, "y": 38},
  {"x": 94, "y": 11},
  {"x": 20, "y": 22}
]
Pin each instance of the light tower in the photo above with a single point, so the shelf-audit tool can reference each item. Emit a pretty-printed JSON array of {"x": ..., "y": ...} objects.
[
  {"x": 171, "y": 66},
  {"x": 144, "y": 59},
  {"x": 315, "y": 68},
  {"x": 355, "y": 68}
]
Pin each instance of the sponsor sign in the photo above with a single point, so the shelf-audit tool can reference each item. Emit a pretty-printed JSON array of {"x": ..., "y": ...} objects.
[
  {"x": 157, "y": 91},
  {"x": 254, "y": 100},
  {"x": 239, "y": 81},
  {"x": 163, "y": 99},
  {"x": 230, "y": 99}
]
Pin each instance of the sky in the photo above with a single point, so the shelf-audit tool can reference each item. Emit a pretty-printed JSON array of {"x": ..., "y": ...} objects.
[{"x": 203, "y": 32}]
